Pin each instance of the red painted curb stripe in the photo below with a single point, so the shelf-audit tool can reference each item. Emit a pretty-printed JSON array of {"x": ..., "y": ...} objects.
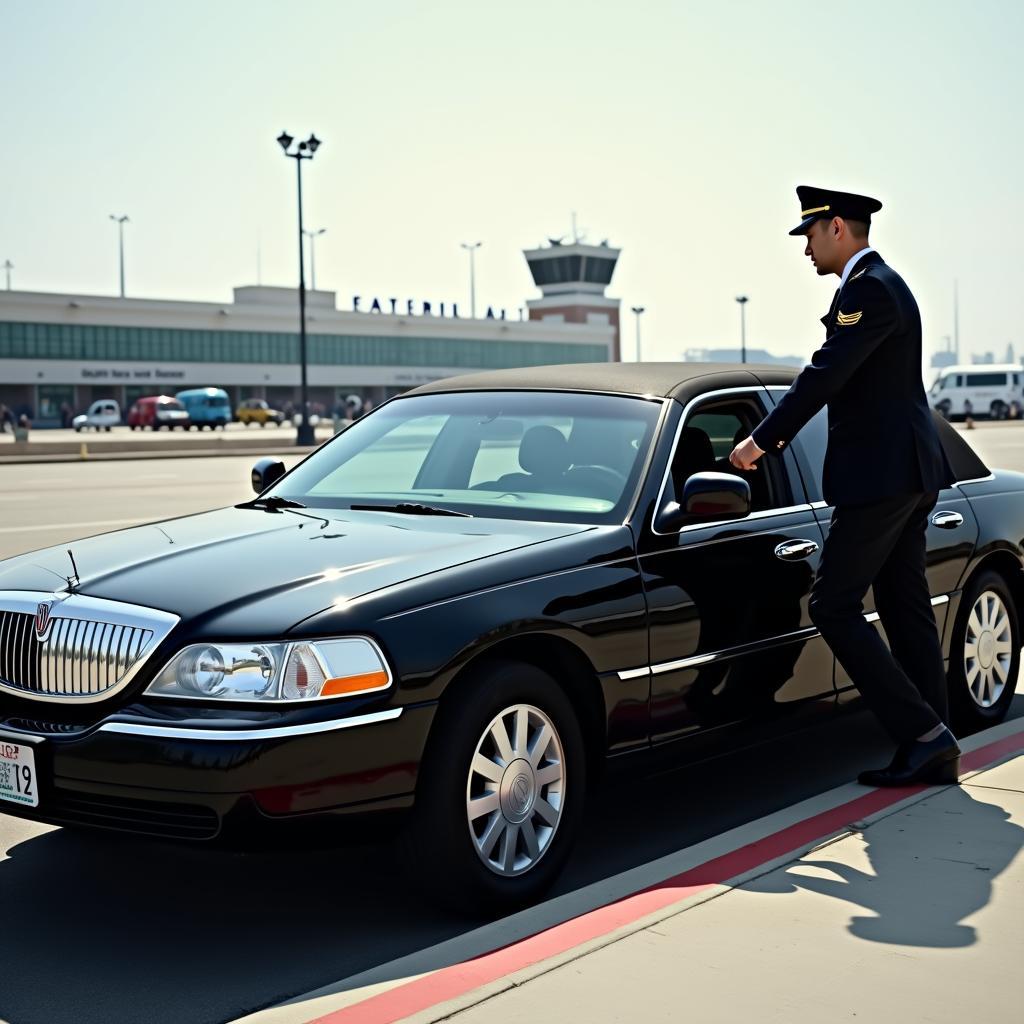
[{"x": 450, "y": 982}]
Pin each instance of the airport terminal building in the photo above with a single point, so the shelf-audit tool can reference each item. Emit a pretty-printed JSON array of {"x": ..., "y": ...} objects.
[{"x": 61, "y": 349}]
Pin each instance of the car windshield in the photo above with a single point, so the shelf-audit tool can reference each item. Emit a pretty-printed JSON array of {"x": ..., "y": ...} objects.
[
  {"x": 542, "y": 455},
  {"x": 172, "y": 403}
]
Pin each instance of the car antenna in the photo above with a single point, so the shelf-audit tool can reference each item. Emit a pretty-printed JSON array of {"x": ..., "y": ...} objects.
[{"x": 73, "y": 580}]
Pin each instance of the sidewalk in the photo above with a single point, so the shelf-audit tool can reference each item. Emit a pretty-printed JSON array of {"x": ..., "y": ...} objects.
[
  {"x": 859, "y": 904},
  {"x": 918, "y": 916}
]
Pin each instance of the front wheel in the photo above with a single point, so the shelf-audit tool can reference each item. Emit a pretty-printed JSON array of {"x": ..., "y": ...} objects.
[
  {"x": 984, "y": 656},
  {"x": 501, "y": 791}
]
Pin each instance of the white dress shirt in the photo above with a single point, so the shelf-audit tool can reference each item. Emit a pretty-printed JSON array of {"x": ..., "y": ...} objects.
[{"x": 851, "y": 261}]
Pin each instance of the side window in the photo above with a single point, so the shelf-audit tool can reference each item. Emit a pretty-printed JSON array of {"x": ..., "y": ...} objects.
[
  {"x": 710, "y": 433},
  {"x": 810, "y": 452}
]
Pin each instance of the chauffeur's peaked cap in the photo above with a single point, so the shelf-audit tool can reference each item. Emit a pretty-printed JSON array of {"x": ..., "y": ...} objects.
[{"x": 816, "y": 203}]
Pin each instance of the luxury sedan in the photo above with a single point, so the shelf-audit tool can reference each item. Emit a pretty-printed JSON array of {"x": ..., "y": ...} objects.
[{"x": 460, "y": 612}]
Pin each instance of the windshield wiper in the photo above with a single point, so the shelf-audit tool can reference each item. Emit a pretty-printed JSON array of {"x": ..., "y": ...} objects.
[
  {"x": 272, "y": 503},
  {"x": 411, "y": 508}
]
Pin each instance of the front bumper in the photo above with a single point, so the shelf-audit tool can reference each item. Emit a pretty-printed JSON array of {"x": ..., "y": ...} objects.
[{"x": 195, "y": 775}]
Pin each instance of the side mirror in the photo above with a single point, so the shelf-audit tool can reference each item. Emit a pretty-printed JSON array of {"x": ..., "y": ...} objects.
[
  {"x": 706, "y": 495},
  {"x": 265, "y": 473}
]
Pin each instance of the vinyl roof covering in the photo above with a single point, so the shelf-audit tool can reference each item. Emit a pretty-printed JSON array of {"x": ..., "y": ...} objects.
[{"x": 661, "y": 379}]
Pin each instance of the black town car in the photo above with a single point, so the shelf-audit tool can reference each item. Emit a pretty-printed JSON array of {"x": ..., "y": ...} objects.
[{"x": 462, "y": 608}]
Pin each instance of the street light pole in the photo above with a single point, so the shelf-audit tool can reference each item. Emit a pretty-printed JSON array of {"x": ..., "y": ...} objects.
[
  {"x": 471, "y": 248},
  {"x": 304, "y": 151},
  {"x": 312, "y": 235},
  {"x": 742, "y": 300},
  {"x": 121, "y": 221},
  {"x": 637, "y": 310},
  {"x": 8, "y": 267}
]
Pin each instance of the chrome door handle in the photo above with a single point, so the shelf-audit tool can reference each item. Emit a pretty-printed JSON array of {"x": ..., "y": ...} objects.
[
  {"x": 947, "y": 520},
  {"x": 791, "y": 550}
]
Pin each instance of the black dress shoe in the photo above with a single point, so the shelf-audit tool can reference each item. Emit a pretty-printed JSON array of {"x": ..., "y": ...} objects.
[{"x": 937, "y": 761}]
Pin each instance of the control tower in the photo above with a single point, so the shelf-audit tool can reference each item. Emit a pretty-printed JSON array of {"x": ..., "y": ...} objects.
[{"x": 572, "y": 278}]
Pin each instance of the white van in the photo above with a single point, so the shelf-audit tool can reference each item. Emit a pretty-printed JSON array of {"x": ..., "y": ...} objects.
[
  {"x": 995, "y": 390},
  {"x": 102, "y": 415}
]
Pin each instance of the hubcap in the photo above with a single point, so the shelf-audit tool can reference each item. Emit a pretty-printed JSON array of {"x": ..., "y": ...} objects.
[
  {"x": 988, "y": 649},
  {"x": 514, "y": 793}
]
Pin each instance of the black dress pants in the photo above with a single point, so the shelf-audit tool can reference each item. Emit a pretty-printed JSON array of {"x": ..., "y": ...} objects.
[{"x": 882, "y": 544}]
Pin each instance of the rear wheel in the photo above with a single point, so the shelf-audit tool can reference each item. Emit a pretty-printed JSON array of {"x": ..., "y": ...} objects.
[
  {"x": 998, "y": 410},
  {"x": 984, "y": 656},
  {"x": 501, "y": 791}
]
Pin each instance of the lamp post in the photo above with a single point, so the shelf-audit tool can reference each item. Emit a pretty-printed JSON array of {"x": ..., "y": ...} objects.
[
  {"x": 312, "y": 236},
  {"x": 8, "y": 267},
  {"x": 121, "y": 221},
  {"x": 637, "y": 310},
  {"x": 742, "y": 300},
  {"x": 471, "y": 248},
  {"x": 303, "y": 151}
]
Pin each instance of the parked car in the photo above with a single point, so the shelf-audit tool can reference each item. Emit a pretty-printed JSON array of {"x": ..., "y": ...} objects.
[
  {"x": 101, "y": 415},
  {"x": 995, "y": 390},
  {"x": 207, "y": 407},
  {"x": 156, "y": 411},
  {"x": 257, "y": 410},
  {"x": 461, "y": 610}
]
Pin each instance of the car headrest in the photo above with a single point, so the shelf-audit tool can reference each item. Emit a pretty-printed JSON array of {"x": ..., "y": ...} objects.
[{"x": 544, "y": 451}]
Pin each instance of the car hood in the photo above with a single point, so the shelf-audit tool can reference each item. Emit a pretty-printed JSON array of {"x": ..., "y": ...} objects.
[{"x": 239, "y": 571}]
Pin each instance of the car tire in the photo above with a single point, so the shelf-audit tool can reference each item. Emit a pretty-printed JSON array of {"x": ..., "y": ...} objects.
[
  {"x": 982, "y": 668},
  {"x": 470, "y": 859},
  {"x": 997, "y": 410}
]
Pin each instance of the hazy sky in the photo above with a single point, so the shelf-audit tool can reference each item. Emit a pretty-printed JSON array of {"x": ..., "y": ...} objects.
[{"x": 676, "y": 130}]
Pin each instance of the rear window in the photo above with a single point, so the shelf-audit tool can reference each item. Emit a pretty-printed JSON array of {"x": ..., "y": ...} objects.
[{"x": 966, "y": 462}]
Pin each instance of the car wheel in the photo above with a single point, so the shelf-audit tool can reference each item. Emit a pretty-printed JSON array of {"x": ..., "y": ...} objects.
[
  {"x": 984, "y": 653},
  {"x": 500, "y": 793},
  {"x": 997, "y": 410}
]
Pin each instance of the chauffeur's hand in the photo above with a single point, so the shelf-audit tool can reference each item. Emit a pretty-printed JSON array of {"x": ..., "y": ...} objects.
[{"x": 745, "y": 454}]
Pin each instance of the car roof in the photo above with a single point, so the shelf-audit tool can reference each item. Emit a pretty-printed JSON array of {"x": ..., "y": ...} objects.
[{"x": 680, "y": 380}]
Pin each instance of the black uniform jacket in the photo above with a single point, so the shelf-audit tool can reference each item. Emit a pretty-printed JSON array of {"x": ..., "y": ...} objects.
[{"x": 881, "y": 438}]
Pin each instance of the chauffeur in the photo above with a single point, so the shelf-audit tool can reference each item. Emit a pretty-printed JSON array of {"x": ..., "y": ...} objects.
[{"x": 884, "y": 466}]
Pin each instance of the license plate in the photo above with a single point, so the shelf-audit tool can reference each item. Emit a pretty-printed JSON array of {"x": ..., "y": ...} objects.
[{"x": 18, "y": 774}]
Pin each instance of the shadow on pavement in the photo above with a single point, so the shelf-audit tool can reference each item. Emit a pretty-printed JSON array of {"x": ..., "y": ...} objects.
[{"x": 931, "y": 866}]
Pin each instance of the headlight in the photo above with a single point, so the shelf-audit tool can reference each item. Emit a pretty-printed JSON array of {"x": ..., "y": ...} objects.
[{"x": 288, "y": 672}]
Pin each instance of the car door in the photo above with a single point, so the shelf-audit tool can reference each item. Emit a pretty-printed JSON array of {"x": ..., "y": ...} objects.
[
  {"x": 952, "y": 528},
  {"x": 730, "y": 634}
]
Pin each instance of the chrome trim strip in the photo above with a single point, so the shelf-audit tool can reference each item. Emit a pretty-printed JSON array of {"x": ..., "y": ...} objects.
[
  {"x": 633, "y": 673},
  {"x": 80, "y": 655},
  {"x": 703, "y": 659},
  {"x": 170, "y": 732}
]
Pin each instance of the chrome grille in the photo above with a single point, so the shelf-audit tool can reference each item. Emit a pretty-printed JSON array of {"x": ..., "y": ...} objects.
[{"x": 91, "y": 647}]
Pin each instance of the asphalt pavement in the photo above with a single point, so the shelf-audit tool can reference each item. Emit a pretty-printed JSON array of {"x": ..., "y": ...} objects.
[{"x": 119, "y": 930}]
